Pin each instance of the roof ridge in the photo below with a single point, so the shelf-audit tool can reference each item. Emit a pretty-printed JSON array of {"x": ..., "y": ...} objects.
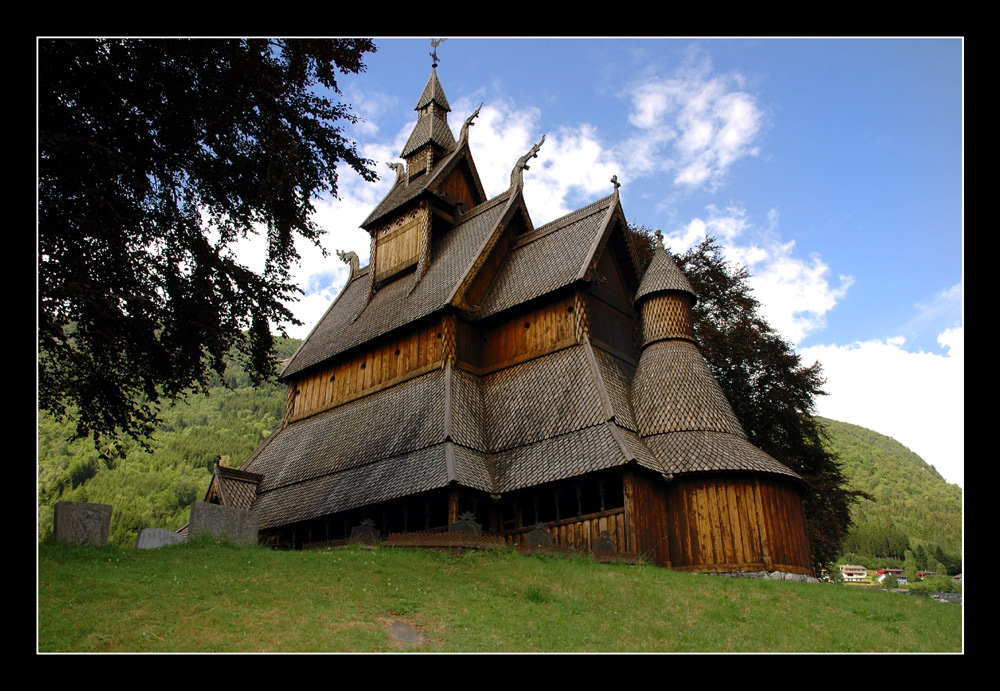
[
  {"x": 485, "y": 206},
  {"x": 575, "y": 215}
]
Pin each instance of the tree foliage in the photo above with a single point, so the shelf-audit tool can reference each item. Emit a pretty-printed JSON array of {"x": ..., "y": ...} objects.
[
  {"x": 771, "y": 391},
  {"x": 154, "y": 158}
]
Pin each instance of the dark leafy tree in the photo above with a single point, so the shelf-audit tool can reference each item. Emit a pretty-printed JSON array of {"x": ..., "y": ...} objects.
[
  {"x": 772, "y": 392},
  {"x": 154, "y": 158}
]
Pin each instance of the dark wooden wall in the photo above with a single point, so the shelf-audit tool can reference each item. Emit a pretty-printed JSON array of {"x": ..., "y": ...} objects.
[{"x": 520, "y": 337}]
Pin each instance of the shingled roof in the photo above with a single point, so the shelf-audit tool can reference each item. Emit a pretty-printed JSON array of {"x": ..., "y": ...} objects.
[
  {"x": 566, "y": 412},
  {"x": 495, "y": 433},
  {"x": 351, "y": 322}
]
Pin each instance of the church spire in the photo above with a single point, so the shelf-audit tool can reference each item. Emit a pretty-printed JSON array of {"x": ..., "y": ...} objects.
[{"x": 431, "y": 136}]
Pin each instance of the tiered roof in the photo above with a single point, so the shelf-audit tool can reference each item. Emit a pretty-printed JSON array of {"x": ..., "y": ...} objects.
[{"x": 569, "y": 412}]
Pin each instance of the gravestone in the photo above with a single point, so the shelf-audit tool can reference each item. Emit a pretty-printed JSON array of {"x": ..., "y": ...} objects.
[
  {"x": 539, "y": 537},
  {"x": 366, "y": 532},
  {"x": 466, "y": 525},
  {"x": 224, "y": 523},
  {"x": 153, "y": 538},
  {"x": 82, "y": 523},
  {"x": 603, "y": 547}
]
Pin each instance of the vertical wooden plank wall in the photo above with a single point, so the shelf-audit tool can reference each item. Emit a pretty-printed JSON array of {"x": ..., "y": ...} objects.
[
  {"x": 398, "y": 244},
  {"x": 730, "y": 523},
  {"x": 646, "y": 518},
  {"x": 517, "y": 339},
  {"x": 367, "y": 371},
  {"x": 580, "y": 533}
]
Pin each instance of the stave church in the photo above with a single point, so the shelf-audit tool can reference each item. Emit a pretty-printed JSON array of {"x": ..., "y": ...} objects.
[{"x": 518, "y": 378}]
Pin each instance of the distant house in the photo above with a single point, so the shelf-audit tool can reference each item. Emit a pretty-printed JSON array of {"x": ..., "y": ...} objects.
[
  {"x": 923, "y": 574},
  {"x": 886, "y": 572},
  {"x": 852, "y": 573},
  {"x": 898, "y": 573}
]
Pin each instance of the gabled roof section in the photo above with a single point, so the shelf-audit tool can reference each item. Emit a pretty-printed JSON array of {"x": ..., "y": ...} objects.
[
  {"x": 233, "y": 487},
  {"x": 554, "y": 256},
  {"x": 480, "y": 274},
  {"x": 405, "y": 191},
  {"x": 351, "y": 322}
]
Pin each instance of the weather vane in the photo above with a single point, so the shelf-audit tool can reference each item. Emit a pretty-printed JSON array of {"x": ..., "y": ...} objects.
[{"x": 435, "y": 42}]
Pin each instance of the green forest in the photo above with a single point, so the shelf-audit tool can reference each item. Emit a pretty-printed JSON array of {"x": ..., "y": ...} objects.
[
  {"x": 155, "y": 488},
  {"x": 911, "y": 517}
]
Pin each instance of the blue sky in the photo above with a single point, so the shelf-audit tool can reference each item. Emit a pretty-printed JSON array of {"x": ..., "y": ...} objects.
[{"x": 832, "y": 168}]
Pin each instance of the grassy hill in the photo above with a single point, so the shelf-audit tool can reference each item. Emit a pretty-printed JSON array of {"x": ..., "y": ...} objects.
[
  {"x": 208, "y": 598},
  {"x": 909, "y": 498},
  {"x": 155, "y": 489}
]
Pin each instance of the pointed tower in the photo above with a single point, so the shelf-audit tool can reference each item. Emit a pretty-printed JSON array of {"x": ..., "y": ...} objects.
[
  {"x": 432, "y": 136},
  {"x": 749, "y": 514}
]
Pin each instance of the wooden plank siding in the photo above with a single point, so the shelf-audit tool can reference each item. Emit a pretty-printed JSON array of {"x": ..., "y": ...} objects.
[
  {"x": 646, "y": 508},
  {"x": 733, "y": 523},
  {"x": 518, "y": 338},
  {"x": 579, "y": 532},
  {"x": 459, "y": 189},
  {"x": 398, "y": 245},
  {"x": 364, "y": 372}
]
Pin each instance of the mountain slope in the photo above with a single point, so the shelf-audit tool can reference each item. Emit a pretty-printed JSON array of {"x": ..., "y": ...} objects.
[{"x": 907, "y": 493}]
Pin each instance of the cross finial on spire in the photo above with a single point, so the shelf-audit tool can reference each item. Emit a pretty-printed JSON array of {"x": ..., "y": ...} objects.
[
  {"x": 435, "y": 42},
  {"x": 614, "y": 181},
  {"x": 659, "y": 239}
]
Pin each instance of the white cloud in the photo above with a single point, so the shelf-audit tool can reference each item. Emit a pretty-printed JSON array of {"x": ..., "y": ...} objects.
[
  {"x": 795, "y": 294},
  {"x": 916, "y": 398},
  {"x": 694, "y": 125}
]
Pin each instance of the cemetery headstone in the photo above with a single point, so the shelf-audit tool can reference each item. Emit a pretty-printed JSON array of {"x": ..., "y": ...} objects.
[
  {"x": 224, "y": 523},
  {"x": 466, "y": 525},
  {"x": 539, "y": 537},
  {"x": 153, "y": 538},
  {"x": 82, "y": 523},
  {"x": 366, "y": 532}
]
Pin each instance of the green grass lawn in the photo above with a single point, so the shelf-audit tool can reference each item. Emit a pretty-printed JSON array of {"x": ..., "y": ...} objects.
[{"x": 208, "y": 598}]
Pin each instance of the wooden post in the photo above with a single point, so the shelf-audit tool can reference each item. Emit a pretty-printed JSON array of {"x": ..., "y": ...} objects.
[
  {"x": 630, "y": 542},
  {"x": 453, "y": 506}
]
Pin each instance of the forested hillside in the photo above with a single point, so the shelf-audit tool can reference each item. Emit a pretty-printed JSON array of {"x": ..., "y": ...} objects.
[
  {"x": 912, "y": 508},
  {"x": 911, "y": 505},
  {"x": 155, "y": 488}
]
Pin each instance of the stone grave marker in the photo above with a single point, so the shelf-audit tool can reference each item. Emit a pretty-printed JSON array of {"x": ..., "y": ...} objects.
[
  {"x": 224, "y": 523},
  {"x": 82, "y": 523},
  {"x": 153, "y": 538},
  {"x": 539, "y": 537},
  {"x": 603, "y": 547},
  {"x": 366, "y": 532},
  {"x": 466, "y": 525}
]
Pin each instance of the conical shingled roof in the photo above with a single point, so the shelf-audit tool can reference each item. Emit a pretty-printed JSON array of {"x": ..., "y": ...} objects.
[
  {"x": 433, "y": 92},
  {"x": 663, "y": 275},
  {"x": 681, "y": 412},
  {"x": 675, "y": 391}
]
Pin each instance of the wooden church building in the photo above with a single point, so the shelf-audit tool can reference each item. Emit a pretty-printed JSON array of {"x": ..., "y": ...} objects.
[{"x": 531, "y": 377}]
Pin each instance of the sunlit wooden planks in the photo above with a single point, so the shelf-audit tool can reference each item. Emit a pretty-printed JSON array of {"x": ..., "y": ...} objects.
[
  {"x": 383, "y": 364},
  {"x": 732, "y": 523}
]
